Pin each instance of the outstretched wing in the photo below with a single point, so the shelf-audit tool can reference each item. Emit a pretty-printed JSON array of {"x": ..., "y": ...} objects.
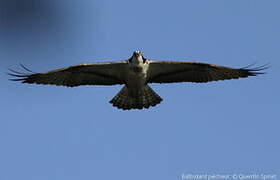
[
  {"x": 85, "y": 74},
  {"x": 174, "y": 71}
]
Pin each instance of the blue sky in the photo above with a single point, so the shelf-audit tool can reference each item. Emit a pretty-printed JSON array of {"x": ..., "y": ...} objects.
[{"x": 49, "y": 132}]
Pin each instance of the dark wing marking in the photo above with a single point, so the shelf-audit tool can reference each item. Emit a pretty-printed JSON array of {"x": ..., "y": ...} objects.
[
  {"x": 174, "y": 71},
  {"x": 110, "y": 73}
]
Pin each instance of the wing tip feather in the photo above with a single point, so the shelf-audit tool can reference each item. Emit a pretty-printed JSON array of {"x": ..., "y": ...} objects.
[
  {"x": 20, "y": 76},
  {"x": 256, "y": 70}
]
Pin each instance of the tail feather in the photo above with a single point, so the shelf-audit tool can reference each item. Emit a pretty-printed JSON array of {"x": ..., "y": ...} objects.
[{"x": 146, "y": 97}]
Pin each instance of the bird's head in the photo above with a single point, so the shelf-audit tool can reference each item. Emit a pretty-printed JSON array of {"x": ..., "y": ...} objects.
[
  {"x": 137, "y": 57},
  {"x": 137, "y": 53}
]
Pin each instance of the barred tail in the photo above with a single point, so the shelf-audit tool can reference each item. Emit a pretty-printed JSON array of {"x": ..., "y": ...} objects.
[{"x": 146, "y": 97}]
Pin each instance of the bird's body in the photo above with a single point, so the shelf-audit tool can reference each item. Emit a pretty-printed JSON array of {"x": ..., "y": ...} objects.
[
  {"x": 136, "y": 94},
  {"x": 135, "y": 73}
]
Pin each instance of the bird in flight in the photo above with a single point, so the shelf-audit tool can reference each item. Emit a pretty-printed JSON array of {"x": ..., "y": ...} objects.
[{"x": 135, "y": 74}]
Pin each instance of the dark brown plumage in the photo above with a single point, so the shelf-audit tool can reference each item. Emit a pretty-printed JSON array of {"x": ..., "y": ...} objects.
[
  {"x": 174, "y": 71},
  {"x": 84, "y": 74}
]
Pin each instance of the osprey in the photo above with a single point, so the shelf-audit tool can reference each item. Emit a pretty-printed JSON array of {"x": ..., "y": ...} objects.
[{"x": 135, "y": 73}]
